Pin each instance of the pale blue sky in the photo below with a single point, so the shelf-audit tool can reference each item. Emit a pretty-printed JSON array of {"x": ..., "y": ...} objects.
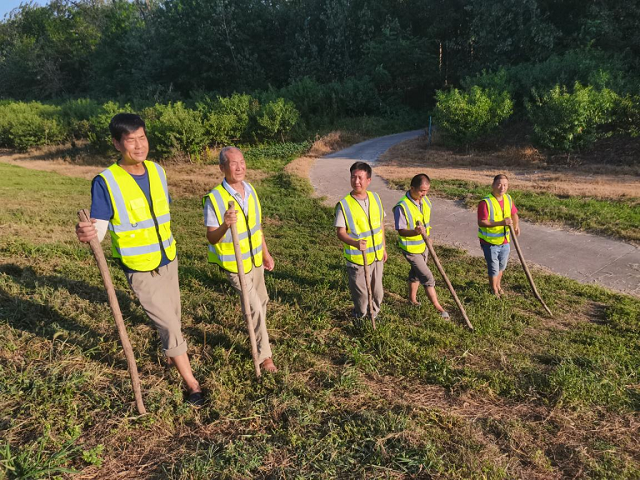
[{"x": 7, "y": 5}]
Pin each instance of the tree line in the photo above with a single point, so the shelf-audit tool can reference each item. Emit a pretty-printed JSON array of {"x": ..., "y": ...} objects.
[
  {"x": 172, "y": 49},
  {"x": 329, "y": 58}
]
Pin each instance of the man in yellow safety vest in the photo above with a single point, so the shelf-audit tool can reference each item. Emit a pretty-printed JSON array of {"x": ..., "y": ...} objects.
[
  {"x": 131, "y": 200},
  {"x": 247, "y": 215},
  {"x": 359, "y": 222},
  {"x": 414, "y": 208},
  {"x": 497, "y": 215}
]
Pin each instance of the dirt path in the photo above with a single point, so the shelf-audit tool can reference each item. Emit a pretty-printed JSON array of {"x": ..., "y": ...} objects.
[{"x": 583, "y": 257}]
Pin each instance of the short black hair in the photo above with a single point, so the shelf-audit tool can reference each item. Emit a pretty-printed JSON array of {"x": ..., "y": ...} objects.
[
  {"x": 123, "y": 123},
  {"x": 418, "y": 180},
  {"x": 362, "y": 166},
  {"x": 499, "y": 177}
]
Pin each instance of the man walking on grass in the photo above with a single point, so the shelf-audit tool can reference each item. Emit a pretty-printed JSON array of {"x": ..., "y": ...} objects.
[
  {"x": 247, "y": 215},
  {"x": 131, "y": 200},
  {"x": 359, "y": 222},
  {"x": 414, "y": 208}
]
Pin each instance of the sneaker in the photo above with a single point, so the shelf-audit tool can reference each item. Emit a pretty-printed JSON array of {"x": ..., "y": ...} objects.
[{"x": 444, "y": 315}]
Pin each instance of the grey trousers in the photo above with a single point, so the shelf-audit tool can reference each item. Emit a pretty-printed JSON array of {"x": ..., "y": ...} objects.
[
  {"x": 258, "y": 299},
  {"x": 358, "y": 287},
  {"x": 159, "y": 295}
]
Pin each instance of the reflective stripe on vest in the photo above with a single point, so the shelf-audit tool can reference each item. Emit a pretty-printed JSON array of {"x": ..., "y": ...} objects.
[
  {"x": 363, "y": 225},
  {"x": 249, "y": 231},
  {"x": 496, "y": 235},
  {"x": 139, "y": 231},
  {"x": 412, "y": 213}
]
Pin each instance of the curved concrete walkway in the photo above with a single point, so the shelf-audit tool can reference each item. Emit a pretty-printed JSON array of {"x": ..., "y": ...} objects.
[{"x": 580, "y": 256}]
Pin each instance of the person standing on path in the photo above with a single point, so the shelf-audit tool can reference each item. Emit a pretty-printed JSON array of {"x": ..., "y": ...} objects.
[
  {"x": 495, "y": 213},
  {"x": 218, "y": 219},
  {"x": 359, "y": 222},
  {"x": 131, "y": 200},
  {"x": 415, "y": 207}
]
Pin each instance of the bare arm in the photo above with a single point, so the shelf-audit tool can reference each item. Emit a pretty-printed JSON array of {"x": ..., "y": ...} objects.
[
  {"x": 344, "y": 237},
  {"x": 215, "y": 234},
  {"x": 267, "y": 259},
  {"x": 516, "y": 224},
  {"x": 419, "y": 230},
  {"x": 87, "y": 231}
]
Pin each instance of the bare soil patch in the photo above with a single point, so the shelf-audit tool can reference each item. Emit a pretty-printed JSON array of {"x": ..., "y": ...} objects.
[{"x": 526, "y": 167}]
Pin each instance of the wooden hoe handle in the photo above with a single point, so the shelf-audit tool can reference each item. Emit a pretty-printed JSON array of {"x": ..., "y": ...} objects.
[
  {"x": 246, "y": 306},
  {"x": 434, "y": 256},
  {"x": 96, "y": 248},
  {"x": 527, "y": 272}
]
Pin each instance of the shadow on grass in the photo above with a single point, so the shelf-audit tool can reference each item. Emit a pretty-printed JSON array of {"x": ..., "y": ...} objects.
[{"x": 45, "y": 321}]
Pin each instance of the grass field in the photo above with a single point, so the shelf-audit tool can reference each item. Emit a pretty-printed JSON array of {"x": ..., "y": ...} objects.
[{"x": 525, "y": 396}]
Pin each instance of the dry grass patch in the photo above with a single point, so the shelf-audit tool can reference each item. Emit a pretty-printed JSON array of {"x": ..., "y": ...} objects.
[
  {"x": 334, "y": 142},
  {"x": 300, "y": 166},
  {"x": 524, "y": 166}
]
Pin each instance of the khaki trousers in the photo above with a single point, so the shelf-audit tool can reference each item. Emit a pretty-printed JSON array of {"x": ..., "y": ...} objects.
[
  {"x": 159, "y": 295},
  {"x": 358, "y": 288},
  {"x": 258, "y": 299}
]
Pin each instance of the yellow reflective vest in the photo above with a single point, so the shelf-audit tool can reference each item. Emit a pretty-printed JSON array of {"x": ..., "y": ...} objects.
[
  {"x": 364, "y": 225},
  {"x": 249, "y": 230},
  {"x": 413, "y": 214},
  {"x": 139, "y": 231},
  {"x": 496, "y": 235}
]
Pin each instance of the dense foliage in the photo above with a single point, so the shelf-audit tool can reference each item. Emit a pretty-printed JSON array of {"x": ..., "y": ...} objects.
[
  {"x": 309, "y": 63},
  {"x": 171, "y": 49},
  {"x": 466, "y": 116}
]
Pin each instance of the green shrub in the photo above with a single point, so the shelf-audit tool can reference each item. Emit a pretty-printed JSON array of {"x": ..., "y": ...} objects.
[
  {"x": 626, "y": 115},
  {"x": 175, "y": 129},
  {"x": 352, "y": 96},
  {"x": 229, "y": 119},
  {"x": 277, "y": 118},
  {"x": 498, "y": 81},
  {"x": 98, "y": 126},
  {"x": 76, "y": 115},
  {"x": 566, "y": 121},
  {"x": 464, "y": 117},
  {"x": 310, "y": 98},
  {"x": 25, "y": 125},
  {"x": 589, "y": 67}
]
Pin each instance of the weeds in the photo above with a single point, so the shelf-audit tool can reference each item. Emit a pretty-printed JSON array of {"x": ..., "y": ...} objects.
[{"x": 420, "y": 397}]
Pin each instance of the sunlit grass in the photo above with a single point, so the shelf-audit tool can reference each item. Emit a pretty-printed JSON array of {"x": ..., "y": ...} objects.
[{"x": 524, "y": 396}]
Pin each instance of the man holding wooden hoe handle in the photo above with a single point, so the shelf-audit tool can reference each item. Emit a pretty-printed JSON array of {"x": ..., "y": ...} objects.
[
  {"x": 131, "y": 200},
  {"x": 247, "y": 217},
  {"x": 497, "y": 217},
  {"x": 412, "y": 215},
  {"x": 359, "y": 222}
]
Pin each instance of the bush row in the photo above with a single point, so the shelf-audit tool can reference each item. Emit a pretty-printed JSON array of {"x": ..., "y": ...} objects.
[
  {"x": 173, "y": 128},
  {"x": 563, "y": 119}
]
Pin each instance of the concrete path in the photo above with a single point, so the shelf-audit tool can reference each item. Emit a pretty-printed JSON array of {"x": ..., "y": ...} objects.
[{"x": 583, "y": 257}]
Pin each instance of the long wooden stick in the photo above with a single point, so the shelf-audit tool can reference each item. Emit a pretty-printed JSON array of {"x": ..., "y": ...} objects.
[
  {"x": 527, "y": 272},
  {"x": 98, "y": 253},
  {"x": 435, "y": 259},
  {"x": 246, "y": 306},
  {"x": 369, "y": 294}
]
